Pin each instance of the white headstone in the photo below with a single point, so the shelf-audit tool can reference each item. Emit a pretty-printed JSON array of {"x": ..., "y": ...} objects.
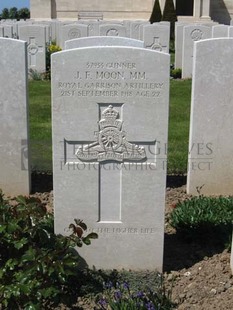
[
  {"x": 211, "y": 127},
  {"x": 191, "y": 34},
  {"x": 156, "y": 37},
  {"x": 178, "y": 44},
  {"x": 135, "y": 29},
  {"x": 73, "y": 31},
  {"x": 127, "y": 24},
  {"x": 35, "y": 36},
  {"x": 1, "y": 31},
  {"x": 230, "y": 31},
  {"x": 14, "y": 163},
  {"x": 113, "y": 30},
  {"x": 93, "y": 27},
  {"x": 102, "y": 41},
  {"x": 8, "y": 31},
  {"x": 110, "y": 117},
  {"x": 220, "y": 31}
]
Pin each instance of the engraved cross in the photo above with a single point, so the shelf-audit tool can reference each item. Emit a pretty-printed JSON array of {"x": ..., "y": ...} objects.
[
  {"x": 111, "y": 152},
  {"x": 157, "y": 46},
  {"x": 33, "y": 49}
]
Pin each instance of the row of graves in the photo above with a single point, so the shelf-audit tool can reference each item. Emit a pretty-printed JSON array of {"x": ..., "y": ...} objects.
[
  {"x": 39, "y": 34},
  {"x": 110, "y": 106},
  {"x": 187, "y": 34}
]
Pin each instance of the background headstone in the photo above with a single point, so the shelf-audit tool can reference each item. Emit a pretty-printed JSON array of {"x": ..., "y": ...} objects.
[
  {"x": 230, "y": 31},
  {"x": 156, "y": 37},
  {"x": 220, "y": 31},
  {"x": 178, "y": 44},
  {"x": 14, "y": 149},
  {"x": 103, "y": 41},
  {"x": 135, "y": 29},
  {"x": 1, "y": 31},
  {"x": 8, "y": 31},
  {"x": 191, "y": 34},
  {"x": 112, "y": 30},
  {"x": 73, "y": 31},
  {"x": 210, "y": 142},
  {"x": 107, "y": 100},
  {"x": 35, "y": 36}
]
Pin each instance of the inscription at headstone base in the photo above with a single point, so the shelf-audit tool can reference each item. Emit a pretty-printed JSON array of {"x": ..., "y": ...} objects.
[{"x": 110, "y": 121}]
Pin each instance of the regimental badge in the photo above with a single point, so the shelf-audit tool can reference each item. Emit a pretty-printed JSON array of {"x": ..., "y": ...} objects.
[{"x": 111, "y": 143}]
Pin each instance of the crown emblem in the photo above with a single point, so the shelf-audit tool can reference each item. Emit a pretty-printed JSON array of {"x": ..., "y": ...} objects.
[{"x": 110, "y": 118}]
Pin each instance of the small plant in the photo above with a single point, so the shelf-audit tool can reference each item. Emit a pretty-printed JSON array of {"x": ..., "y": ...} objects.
[
  {"x": 51, "y": 48},
  {"x": 204, "y": 215},
  {"x": 176, "y": 73},
  {"x": 119, "y": 296},
  {"x": 38, "y": 269},
  {"x": 35, "y": 75}
]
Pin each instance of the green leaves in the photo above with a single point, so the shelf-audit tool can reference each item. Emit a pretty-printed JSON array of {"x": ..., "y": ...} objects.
[
  {"x": 38, "y": 267},
  {"x": 204, "y": 215}
]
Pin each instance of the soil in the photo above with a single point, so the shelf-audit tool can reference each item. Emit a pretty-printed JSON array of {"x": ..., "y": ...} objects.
[{"x": 199, "y": 274}]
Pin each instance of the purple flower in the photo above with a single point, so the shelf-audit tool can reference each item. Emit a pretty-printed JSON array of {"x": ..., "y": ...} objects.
[
  {"x": 107, "y": 285},
  {"x": 117, "y": 295},
  {"x": 150, "y": 306},
  {"x": 126, "y": 285},
  {"x": 140, "y": 294},
  {"x": 103, "y": 303}
]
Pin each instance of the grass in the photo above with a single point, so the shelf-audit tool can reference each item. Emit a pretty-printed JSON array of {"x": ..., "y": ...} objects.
[
  {"x": 40, "y": 125},
  {"x": 180, "y": 98}
]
